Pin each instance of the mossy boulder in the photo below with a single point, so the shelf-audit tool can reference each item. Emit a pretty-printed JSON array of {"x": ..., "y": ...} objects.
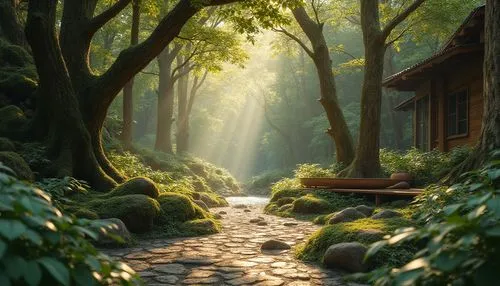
[
  {"x": 285, "y": 208},
  {"x": 18, "y": 83},
  {"x": 346, "y": 215},
  {"x": 310, "y": 205},
  {"x": 348, "y": 256},
  {"x": 114, "y": 233},
  {"x": 201, "y": 204},
  {"x": 13, "y": 55},
  {"x": 284, "y": 201},
  {"x": 179, "y": 208},
  {"x": 17, "y": 164},
  {"x": 138, "y": 212},
  {"x": 6, "y": 145},
  {"x": 201, "y": 226},
  {"x": 136, "y": 186},
  {"x": 212, "y": 200},
  {"x": 12, "y": 119}
]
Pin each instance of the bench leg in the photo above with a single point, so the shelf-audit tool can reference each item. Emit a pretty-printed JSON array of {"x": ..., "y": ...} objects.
[{"x": 378, "y": 200}]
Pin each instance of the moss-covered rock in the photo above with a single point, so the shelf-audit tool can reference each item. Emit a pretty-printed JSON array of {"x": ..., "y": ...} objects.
[
  {"x": 284, "y": 201},
  {"x": 287, "y": 193},
  {"x": 201, "y": 226},
  {"x": 178, "y": 207},
  {"x": 310, "y": 205},
  {"x": 6, "y": 145},
  {"x": 136, "y": 186},
  {"x": 12, "y": 119},
  {"x": 18, "y": 83},
  {"x": 15, "y": 162},
  {"x": 13, "y": 55},
  {"x": 213, "y": 200},
  {"x": 138, "y": 212}
]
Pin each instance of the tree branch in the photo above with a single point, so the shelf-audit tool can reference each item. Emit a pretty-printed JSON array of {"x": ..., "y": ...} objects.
[
  {"x": 100, "y": 20},
  {"x": 401, "y": 17},
  {"x": 296, "y": 39}
]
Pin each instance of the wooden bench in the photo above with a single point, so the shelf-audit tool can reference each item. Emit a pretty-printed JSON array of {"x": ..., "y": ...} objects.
[{"x": 379, "y": 193}]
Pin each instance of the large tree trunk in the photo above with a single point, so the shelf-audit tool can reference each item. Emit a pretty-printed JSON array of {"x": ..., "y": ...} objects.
[
  {"x": 128, "y": 95},
  {"x": 10, "y": 27},
  {"x": 69, "y": 141},
  {"x": 182, "y": 136},
  {"x": 321, "y": 57},
  {"x": 165, "y": 102}
]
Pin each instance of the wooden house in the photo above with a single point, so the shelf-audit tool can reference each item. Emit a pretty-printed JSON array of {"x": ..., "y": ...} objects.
[{"x": 448, "y": 102}]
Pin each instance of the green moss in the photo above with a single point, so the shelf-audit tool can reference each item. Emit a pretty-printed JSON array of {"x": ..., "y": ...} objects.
[
  {"x": 310, "y": 205},
  {"x": 137, "y": 211},
  {"x": 212, "y": 200},
  {"x": 201, "y": 227},
  {"x": 13, "y": 55},
  {"x": 15, "y": 162},
  {"x": 6, "y": 145},
  {"x": 138, "y": 185},
  {"x": 178, "y": 208},
  {"x": 317, "y": 244},
  {"x": 323, "y": 219},
  {"x": 81, "y": 212},
  {"x": 18, "y": 82},
  {"x": 284, "y": 201},
  {"x": 287, "y": 193}
]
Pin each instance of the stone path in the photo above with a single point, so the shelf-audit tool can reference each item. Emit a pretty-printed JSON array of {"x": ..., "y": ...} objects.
[{"x": 232, "y": 257}]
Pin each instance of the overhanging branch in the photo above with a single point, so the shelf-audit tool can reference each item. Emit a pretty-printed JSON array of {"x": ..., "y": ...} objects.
[{"x": 100, "y": 20}]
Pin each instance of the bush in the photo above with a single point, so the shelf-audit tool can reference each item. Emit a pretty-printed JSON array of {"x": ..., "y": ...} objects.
[
  {"x": 425, "y": 167},
  {"x": 40, "y": 246},
  {"x": 461, "y": 245},
  {"x": 60, "y": 189},
  {"x": 313, "y": 171}
]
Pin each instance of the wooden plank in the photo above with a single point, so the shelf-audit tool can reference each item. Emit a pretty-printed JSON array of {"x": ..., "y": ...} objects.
[{"x": 389, "y": 192}]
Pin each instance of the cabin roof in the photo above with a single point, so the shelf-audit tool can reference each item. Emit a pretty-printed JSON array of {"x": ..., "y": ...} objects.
[{"x": 457, "y": 45}]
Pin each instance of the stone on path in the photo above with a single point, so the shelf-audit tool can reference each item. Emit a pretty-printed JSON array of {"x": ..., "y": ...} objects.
[
  {"x": 247, "y": 210},
  {"x": 274, "y": 245},
  {"x": 261, "y": 223},
  {"x": 222, "y": 213},
  {"x": 290, "y": 223},
  {"x": 348, "y": 256},
  {"x": 174, "y": 268},
  {"x": 240, "y": 206}
]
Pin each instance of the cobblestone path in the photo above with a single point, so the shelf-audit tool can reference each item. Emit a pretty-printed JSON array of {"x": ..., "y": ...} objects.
[{"x": 232, "y": 257}]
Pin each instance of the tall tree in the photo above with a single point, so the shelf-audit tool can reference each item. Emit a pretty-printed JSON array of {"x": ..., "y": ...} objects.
[
  {"x": 128, "y": 95},
  {"x": 375, "y": 39},
  {"x": 320, "y": 54},
  {"x": 73, "y": 101}
]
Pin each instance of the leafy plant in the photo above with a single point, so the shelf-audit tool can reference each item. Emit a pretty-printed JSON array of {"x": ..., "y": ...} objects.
[
  {"x": 41, "y": 246},
  {"x": 312, "y": 171},
  {"x": 462, "y": 242},
  {"x": 58, "y": 189}
]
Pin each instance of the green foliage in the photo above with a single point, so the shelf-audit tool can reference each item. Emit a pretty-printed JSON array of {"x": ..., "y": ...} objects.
[
  {"x": 310, "y": 204},
  {"x": 317, "y": 244},
  {"x": 6, "y": 145},
  {"x": 261, "y": 184},
  {"x": 312, "y": 171},
  {"x": 424, "y": 167},
  {"x": 40, "y": 246},
  {"x": 60, "y": 189},
  {"x": 461, "y": 243}
]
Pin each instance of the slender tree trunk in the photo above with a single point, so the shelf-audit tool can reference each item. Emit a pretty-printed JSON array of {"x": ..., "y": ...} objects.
[
  {"x": 69, "y": 141},
  {"x": 165, "y": 103},
  {"x": 128, "y": 95},
  {"x": 9, "y": 23},
  {"x": 182, "y": 137},
  {"x": 321, "y": 57},
  {"x": 392, "y": 100}
]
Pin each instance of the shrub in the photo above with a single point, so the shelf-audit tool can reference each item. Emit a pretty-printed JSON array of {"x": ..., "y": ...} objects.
[
  {"x": 312, "y": 171},
  {"x": 461, "y": 245},
  {"x": 60, "y": 189},
  {"x": 40, "y": 246}
]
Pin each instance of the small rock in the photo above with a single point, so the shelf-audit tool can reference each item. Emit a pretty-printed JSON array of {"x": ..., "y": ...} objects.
[
  {"x": 285, "y": 207},
  {"x": 346, "y": 215},
  {"x": 168, "y": 279},
  {"x": 290, "y": 223},
  {"x": 115, "y": 227},
  {"x": 370, "y": 235},
  {"x": 399, "y": 204},
  {"x": 217, "y": 216},
  {"x": 222, "y": 213},
  {"x": 400, "y": 185},
  {"x": 274, "y": 245},
  {"x": 173, "y": 268},
  {"x": 261, "y": 223},
  {"x": 240, "y": 206},
  {"x": 247, "y": 210},
  {"x": 386, "y": 214},
  {"x": 255, "y": 220},
  {"x": 366, "y": 210},
  {"x": 348, "y": 256}
]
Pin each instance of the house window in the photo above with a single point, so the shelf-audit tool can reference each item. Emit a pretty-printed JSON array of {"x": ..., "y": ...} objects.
[
  {"x": 422, "y": 122},
  {"x": 458, "y": 115}
]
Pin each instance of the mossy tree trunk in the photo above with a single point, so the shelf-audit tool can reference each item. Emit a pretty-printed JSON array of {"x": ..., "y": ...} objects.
[
  {"x": 10, "y": 27},
  {"x": 321, "y": 57},
  {"x": 366, "y": 164},
  {"x": 74, "y": 102}
]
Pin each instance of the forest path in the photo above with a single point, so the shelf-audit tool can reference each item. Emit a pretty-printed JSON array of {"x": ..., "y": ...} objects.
[{"x": 232, "y": 257}]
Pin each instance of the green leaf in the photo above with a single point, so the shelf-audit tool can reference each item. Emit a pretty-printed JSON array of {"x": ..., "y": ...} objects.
[
  {"x": 494, "y": 231},
  {"x": 486, "y": 274},
  {"x": 494, "y": 205},
  {"x": 56, "y": 269},
  {"x": 32, "y": 273},
  {"x": 477, "y": 212},
  {"x": 83, "y": 276},
  {"x": 88, "y": 232},
  {"x": 374, "y": 248},
  {"x": 494, "y": 174},
  {"x": 447, "y": 261},
  {"x": 11, "y": 229},
  {"x": 408, "y": 278},
  {"x": 448, "y": 210},
  {"x": 4, "y": 280},
  {"x": 478, "y": 200},
  {"x": 14, "y": 266},
  {"x": 33, "y": 237}
]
